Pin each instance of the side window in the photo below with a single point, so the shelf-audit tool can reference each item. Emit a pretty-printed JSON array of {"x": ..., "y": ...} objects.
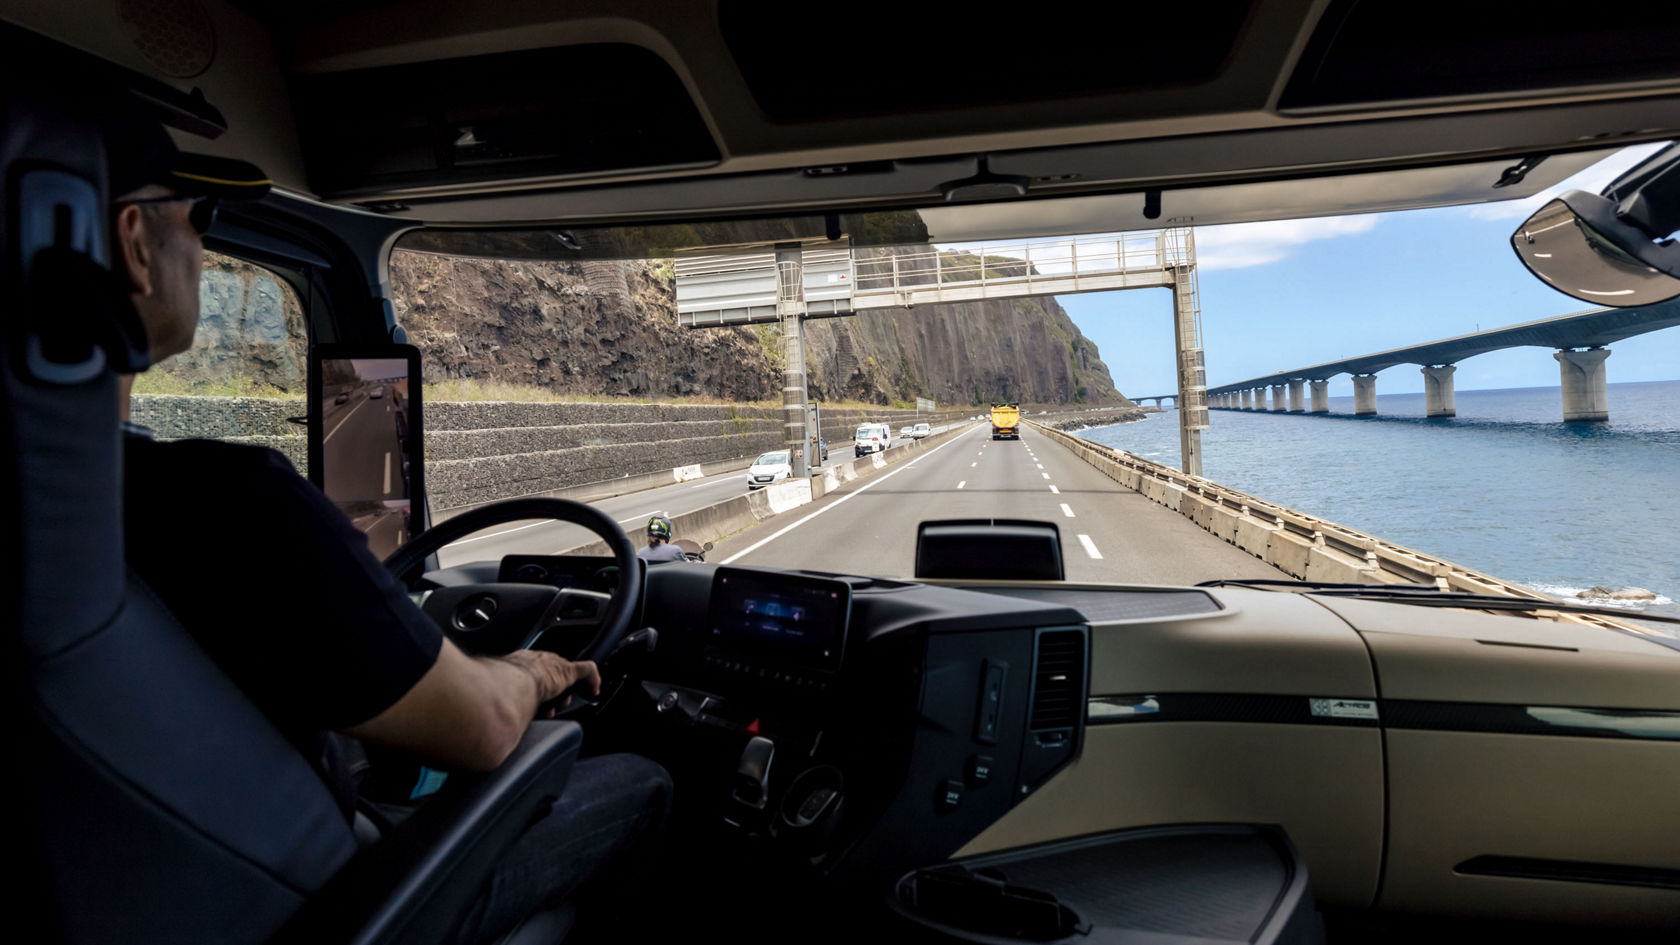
[{"x": 246, "y": 374}]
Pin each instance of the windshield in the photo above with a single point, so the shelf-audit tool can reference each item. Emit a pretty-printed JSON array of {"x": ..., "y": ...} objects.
[{"x": 1467, "y": 466}]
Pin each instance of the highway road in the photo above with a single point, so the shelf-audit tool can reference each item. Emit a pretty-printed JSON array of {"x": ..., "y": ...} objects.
[
  {"x": 361, "y": 454},
  {"x": 630, "y": 511},
  {"x": 1109, "y": 533}
]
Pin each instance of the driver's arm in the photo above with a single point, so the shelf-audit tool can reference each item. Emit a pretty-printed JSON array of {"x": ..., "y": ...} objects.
[{"x": 469, "y": 712}]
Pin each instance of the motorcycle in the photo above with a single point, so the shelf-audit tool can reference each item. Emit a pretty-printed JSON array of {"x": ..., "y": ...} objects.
[{"x": 692, "y": 551}]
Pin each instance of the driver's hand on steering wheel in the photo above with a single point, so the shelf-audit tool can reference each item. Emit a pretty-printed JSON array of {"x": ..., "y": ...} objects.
[{"x": 555, "y": 674}]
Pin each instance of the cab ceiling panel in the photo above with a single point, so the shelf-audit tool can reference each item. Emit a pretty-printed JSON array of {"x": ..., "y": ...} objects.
[
  {"x": 813, "y": 62},
  {"x": 1390, "y": 52},
  {"x": 596, "y": 109}
]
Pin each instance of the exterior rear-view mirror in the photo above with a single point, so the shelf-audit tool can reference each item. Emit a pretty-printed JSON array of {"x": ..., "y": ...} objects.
[{"x": 1616, "y": 249}]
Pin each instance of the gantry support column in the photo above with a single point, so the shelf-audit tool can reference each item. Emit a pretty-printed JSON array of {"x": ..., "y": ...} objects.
[
  {"x": 1278, "y": 403},
  {"x": 790, "y": 309},
  {"x": 1364, "y": 395},
  {"x": 1321, "y": 396},
  {"x": 1295, "y": 400},
  {"x": 1438, "y": 391},
  {"x": 1583, "y": 375}
]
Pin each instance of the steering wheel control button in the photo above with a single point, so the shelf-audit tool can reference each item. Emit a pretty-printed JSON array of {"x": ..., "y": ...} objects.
[
  {"x": 990, "y": 714},
  {"x": 979, "y": 769},
  {"x": 474, "y": 613},
  {"x": 949, "y": 796}
]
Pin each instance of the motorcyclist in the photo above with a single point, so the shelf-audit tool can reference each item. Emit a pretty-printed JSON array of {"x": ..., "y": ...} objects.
[{"x": 659, "y": 547}]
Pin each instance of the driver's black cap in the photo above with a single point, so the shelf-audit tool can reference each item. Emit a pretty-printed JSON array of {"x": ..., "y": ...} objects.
[{"x": 138, "y": 151}]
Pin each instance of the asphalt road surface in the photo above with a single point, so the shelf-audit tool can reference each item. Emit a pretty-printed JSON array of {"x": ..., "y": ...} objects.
[
  {"x": 361, "y": 454},
  {"x": 1109, "y": 533},
  {"x": 631, "y": 511}
]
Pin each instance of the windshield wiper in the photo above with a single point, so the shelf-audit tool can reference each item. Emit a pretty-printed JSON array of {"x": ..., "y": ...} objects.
[{"x": 1428, "y": 595}]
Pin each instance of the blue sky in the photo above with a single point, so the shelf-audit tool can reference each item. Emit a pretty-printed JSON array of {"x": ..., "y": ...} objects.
[{"x": 1290, "y": 293}]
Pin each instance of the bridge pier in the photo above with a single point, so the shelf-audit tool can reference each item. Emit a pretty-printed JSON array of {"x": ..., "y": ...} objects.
[
  {"x": 1247, "y": 397},
  {"x": 1321, "y": 396},
  {"x": 1278, "y": 405},
  {"x": 1295, "y": 400},
  {"x": 1438, "y": 390},
  {"x": 1583, "y": 374},
  {"x": 1364, "y": 395}
]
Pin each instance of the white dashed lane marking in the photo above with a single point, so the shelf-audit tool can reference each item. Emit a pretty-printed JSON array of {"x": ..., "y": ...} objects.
[
  {"x": 1090, "y": 547},
  {"x": 1067, "y": 511},
  {"x": 963, "y": 483},
  {"x": 1045, "y": 475},
  {"x": 1055, "y": 490},
  {"x": 1040, "y": 465}
]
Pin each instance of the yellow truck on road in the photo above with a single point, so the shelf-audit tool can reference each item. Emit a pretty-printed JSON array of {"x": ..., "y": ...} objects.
[{"x": 1006, "y": 421}]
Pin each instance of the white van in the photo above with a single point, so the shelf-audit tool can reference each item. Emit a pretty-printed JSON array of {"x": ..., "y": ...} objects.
[{"x": 871, "y": 438}]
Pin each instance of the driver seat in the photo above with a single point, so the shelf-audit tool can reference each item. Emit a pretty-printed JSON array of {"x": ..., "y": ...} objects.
[{"x": 160, "y": 803}]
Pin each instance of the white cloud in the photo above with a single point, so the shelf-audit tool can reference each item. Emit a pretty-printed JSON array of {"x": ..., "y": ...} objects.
[
  {"x": 1240, "y": 245},
  {"x": 1594, "y": 179}
]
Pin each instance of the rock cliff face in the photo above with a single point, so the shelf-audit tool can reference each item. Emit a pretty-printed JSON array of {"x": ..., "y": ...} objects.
[
  {"x": 610, "y": 328},
  {"x": 572, "y": 327}
]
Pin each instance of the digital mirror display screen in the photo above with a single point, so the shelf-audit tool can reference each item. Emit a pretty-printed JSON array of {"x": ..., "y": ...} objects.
[
  {"x": 787, "y": 619},
  {"x": 366, "y": 442}
]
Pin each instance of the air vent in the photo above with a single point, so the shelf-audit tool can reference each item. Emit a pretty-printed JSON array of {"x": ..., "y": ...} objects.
[{"x": 1058, "y": 680}]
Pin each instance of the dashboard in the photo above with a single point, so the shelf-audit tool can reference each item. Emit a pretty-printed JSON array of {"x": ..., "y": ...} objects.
[
  {"x": 842, "y": 726},
  {"x": 848, "y": 729}
]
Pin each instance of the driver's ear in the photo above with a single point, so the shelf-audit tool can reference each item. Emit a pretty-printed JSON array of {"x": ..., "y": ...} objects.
[{"x": 131, "y": 249}]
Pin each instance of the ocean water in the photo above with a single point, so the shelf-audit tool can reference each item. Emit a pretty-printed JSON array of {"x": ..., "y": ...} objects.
[{"x": 1505, "y": 487}]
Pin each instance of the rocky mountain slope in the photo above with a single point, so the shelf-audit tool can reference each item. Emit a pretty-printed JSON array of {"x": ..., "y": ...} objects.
[
  {"x": 594, "y": 328},
  {"x": 609, "y": 327}
]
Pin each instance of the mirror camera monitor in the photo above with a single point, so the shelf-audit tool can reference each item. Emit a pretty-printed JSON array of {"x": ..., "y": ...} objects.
[{"x": 365, "y": 439}]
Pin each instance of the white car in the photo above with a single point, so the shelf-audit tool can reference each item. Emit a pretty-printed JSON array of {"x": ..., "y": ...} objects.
[
  {"x": 905, "y": 432},
  {"x": 920, "y": 430},
  {"x": 871, "y": 438},
  {"x": 772, "y": 467}
]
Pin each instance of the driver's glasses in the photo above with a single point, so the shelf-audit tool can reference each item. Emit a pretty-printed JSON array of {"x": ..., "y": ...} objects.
[{"x": 202, "y": 215}]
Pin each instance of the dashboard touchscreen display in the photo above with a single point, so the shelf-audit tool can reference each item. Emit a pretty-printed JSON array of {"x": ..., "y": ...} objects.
[{"x": 781, "y": 617}]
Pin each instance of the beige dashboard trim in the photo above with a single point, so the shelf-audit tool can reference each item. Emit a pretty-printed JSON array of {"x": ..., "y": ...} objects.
[{"x": 1323, "y": 785}]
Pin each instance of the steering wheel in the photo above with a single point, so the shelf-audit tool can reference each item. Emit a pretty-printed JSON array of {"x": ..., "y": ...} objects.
[{"x": 494, "y": 619}]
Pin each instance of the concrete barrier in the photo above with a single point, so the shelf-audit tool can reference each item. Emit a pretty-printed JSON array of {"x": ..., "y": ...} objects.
[{"x": 1294, "y": 542}]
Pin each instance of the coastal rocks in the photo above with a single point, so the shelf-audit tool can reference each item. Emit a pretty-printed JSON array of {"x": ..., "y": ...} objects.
[
  {"x": 1601, "y": 592},
  {"x": 1084, "y": 420}
]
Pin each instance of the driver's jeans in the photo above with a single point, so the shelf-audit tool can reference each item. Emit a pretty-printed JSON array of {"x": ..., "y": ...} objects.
[{"x": 597, "y": 837}]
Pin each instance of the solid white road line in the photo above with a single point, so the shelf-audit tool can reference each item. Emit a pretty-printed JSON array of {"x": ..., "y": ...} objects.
[
  {"x": 1055, "y": 490},
  {"x": 468, "y": 541},
  {"x": 342, "y": 421},
  {"x": 834, "y": 505},
  {"x": 1067, "y": 511},
  {"x": 1090, "y": 548}
]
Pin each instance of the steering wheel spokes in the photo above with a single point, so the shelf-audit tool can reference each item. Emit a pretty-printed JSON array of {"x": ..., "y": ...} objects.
[{"x": 497, "y": 618}]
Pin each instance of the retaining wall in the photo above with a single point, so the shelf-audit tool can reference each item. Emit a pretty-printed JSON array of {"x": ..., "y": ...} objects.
[{"x": 1299, "y": 545}]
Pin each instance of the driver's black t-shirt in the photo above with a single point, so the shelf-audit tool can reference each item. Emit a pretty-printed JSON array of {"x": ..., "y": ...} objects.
[{"x": 273, "y": 581}]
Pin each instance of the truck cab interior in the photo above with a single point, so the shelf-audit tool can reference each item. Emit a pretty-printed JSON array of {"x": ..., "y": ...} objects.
[{"x": 977, "y": 752}]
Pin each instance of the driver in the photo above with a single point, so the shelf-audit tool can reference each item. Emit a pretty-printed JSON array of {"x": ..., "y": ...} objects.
[
  {"x": 659, "y": 547},
  {"x": 344, "y": 649}
]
